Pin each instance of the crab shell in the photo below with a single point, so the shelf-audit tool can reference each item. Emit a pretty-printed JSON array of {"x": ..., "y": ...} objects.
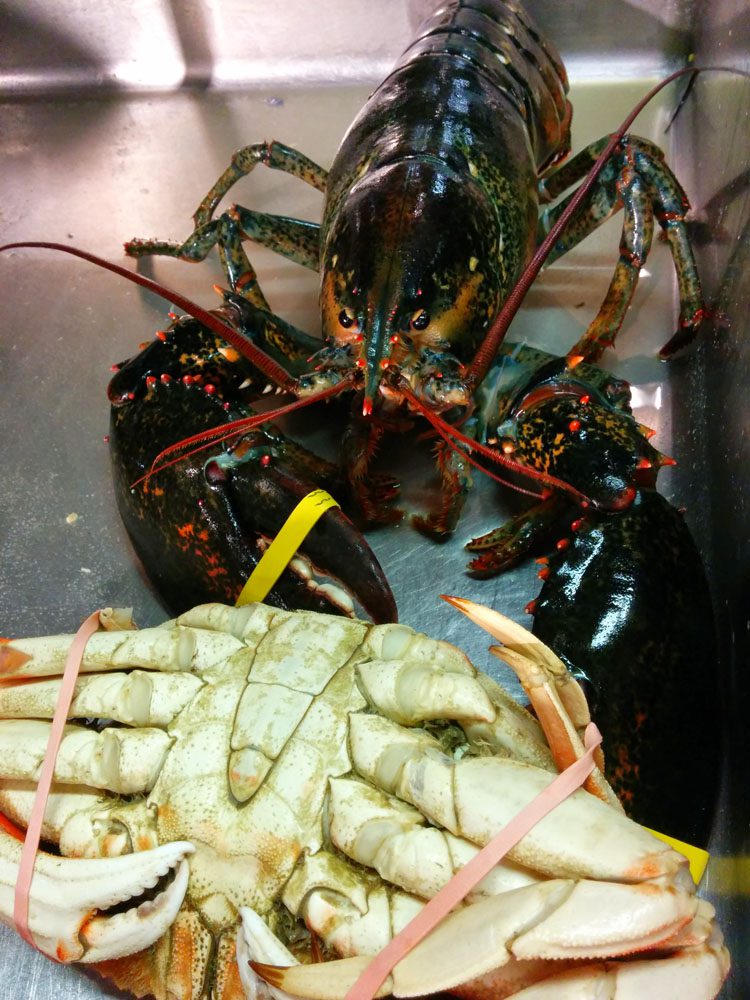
[{"x": 282, "y": 787}]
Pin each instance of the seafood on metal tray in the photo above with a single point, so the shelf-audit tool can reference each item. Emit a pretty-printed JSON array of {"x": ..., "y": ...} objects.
[
  {"x": 290, "y": 786},
  {"x": 625, "y": 601},
  {"x": 431, "y": 213}
]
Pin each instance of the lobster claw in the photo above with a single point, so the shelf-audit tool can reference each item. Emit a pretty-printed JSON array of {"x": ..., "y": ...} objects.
[
  {"x": 200, "y": 525},
  {"x": 262, "y": 492}
]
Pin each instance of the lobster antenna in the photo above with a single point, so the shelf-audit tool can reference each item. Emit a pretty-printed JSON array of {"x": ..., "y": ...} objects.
[
  {"x": 204, "y": 439},
  {"x": 247, "y": 349},
  {"x": 488, "y": 349}
]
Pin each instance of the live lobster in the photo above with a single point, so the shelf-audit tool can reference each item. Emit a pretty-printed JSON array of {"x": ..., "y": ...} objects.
[{"x": 428, "y": 222}]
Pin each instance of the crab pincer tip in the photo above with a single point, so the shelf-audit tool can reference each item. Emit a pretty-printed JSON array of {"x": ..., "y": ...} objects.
[
  {"x": 11, "y": 659},
  {"x": 455, "y": 601},
  {"x": 271, "y": 974},
  {"x": 366, "y": 406}
]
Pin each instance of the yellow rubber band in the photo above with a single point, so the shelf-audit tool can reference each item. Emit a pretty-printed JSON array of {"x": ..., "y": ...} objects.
[
  {"x": 697, "y": 857},
  {"x": 279, "y": 553}
]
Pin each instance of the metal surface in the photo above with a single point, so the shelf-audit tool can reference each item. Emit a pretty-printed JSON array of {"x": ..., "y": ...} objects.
[{"x": 115, "y": 120}]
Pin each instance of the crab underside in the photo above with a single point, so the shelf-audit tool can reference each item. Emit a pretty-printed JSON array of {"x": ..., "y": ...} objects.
[{"x": 287, "y": 789}]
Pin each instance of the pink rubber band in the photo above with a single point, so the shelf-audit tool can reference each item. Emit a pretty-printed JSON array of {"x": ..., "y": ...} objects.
[
  {"x": 464, "y": 880},
  {"x": 34, "y": 829}
]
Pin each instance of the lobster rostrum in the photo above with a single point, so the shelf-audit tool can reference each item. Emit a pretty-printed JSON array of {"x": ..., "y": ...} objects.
[{"x": 431, "y": 212}]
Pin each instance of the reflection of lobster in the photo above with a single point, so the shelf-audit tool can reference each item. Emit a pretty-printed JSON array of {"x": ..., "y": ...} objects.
[{"x": 625, "y": 600}]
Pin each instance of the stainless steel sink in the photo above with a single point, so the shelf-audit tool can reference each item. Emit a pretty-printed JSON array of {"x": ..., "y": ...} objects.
[{"x": 116, "y": 118}]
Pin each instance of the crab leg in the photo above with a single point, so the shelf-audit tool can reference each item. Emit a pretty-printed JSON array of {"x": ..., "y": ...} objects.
[
  {"x": 402, "y": 678},
  {"x": 412, "y": 691},
  {"x": 138, "y": 698},
  {"x": 689, "y": 972},
  {"x": 70, "y": 897},
  {"x": 257, "y": 943},
  {"x": 560, "y": 919},
  {"x": 558, "y": 700},
  {"x": 167, "y": 649},
  {"x": 513, "y": 732},
  {"x": 390, "y": 837},
  {"x": 474, "y": 797},
  {"x": 120, "y": 760}
]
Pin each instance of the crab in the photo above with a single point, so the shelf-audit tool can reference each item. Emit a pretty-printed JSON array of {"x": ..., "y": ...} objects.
[{"x": 252, "y": 802}]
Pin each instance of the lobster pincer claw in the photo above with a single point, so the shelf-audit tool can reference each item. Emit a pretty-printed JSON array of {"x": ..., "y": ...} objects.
[
  {"x": 201, "y": 524},
  {"x": 262, "y": 493},
  {"x": 94, "y": 909}
]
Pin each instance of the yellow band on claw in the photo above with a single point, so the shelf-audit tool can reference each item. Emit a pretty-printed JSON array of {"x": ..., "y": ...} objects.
[
  {"x": 697, "y": 857},
  {"x": 277, "y": 556}
]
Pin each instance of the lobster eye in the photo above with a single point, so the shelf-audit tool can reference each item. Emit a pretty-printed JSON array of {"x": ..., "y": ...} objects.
[
  {"x": 420, "y": 320},
  {"x": 346, "y": 318}
]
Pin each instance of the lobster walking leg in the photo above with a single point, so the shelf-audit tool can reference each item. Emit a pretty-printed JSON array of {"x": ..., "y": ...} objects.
[
  {"x": 272, "y": 154},
  {"x": 296, "y": 239},
  {"x": 638, "y": 179},
  {"x": 456, "y": 483},
  {"x": 358, "y": 448},
  {"x": 503, "y": 547}
]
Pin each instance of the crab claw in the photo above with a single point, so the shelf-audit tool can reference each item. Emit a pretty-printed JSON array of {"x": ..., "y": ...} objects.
[
  {"x": 89, "y": 910},
  {"x": 263, "y": 494}
]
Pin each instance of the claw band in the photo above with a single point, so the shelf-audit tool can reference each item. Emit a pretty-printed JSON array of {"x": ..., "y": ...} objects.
[
  {"x": 697, "y": 857},
  {"x": 279, "y": 553},
  {"x": 474, "y": 871},
  {"x": 34, "y": 829}
]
